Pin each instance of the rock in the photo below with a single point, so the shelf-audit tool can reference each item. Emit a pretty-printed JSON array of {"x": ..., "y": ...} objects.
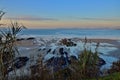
[
  {"x": 23, "y": 59},
  {"x": 9, "y": 70},
  {"x": 48, "y": 50},
  {"x": 20, "y": 62},
  {"x": 39, "y": 49},
  {"x": 58, "y": 63},
  {"x": 44, "y": 48},
  {"x": 17, "y": 63},
  {"x": 30, "y": 38},
  {"x": 61, "y": 51},
  {"x": 53, "y": 52},
  {"x": 20, "y": 39},
  {"x": 73, "y": 57},
  {"x": 49, "y": 62},
  {"x": 101, "y": 62},
  {"x": 67, "y": 42}
]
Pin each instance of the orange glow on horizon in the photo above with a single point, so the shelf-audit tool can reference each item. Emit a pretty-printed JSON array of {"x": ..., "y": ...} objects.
[{"x": 66, "y": 24}]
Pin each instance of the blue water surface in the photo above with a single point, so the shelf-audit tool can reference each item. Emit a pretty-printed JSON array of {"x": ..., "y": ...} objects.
[{"x": 104, "y": 33}]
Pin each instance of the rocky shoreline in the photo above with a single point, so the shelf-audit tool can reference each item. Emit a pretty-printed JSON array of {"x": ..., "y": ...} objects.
[{"x": 50, "y": 50}]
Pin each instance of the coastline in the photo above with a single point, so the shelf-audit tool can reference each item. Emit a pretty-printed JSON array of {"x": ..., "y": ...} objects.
[{"x": 36, "y": 42}]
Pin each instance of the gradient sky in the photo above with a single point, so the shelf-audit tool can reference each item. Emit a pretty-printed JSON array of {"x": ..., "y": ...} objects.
[{"x": 63, "y": 13}]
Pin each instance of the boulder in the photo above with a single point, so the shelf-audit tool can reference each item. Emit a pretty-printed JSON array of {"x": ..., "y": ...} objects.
[
  {"x": 17, "y": 63},
  {"x": 30, "y": 38},
  {"x": 68, "y": 42},
  {"x": 20, "y": 39},
  {"x": 101, "y": 62}
]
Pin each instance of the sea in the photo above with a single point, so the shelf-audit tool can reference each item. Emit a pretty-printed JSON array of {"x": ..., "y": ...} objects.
[{"x": 82, "y": 33}]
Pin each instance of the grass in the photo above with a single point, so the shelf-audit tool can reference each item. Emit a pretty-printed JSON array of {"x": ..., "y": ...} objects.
[
  {"x": 115, "y": 67},
  {"x": 113, "y": 76}
]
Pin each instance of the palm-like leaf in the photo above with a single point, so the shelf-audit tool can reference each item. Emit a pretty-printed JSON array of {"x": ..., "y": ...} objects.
[
  {"x": 1, "y": 14},
  {"x": 7, "y": 46}
]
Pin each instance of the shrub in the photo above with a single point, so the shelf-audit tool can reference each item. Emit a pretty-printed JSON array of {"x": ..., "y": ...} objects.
[
  {"x": 115, "y": 67},
  {"x": 8, "y": 47}
]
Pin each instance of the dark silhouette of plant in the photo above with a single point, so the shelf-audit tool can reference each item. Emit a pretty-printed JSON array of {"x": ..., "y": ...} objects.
[
  {"x": 86, "y": 65},
  {"x": 8, "y": 47},
  {"x": 1, "y": 15},
  {"x": 115, "y": 67}
]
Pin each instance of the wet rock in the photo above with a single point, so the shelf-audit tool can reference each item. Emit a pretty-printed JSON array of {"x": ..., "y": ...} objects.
[
  {"x": 30, "y": 38},
  {"x": 58, "y": 63},
  {"x": 44, "y": 48},
  {"x": 48, "y": 50},
  {"x": 101, "y": 62},
  {"x": 50, "y": 61},
  {"x": 53, "y": 52},
  {"x": 17, "y": 63},
  {"x": 9, "y": 70},
  {"x": 23, "y": 59},
  {"x": 20, "y": 39},
  {"x": 73, "y": 57},
  {"x": 20, "y": 62},
  {"x": 67, "y": 42},
  {"x": 39, "y": 49}
]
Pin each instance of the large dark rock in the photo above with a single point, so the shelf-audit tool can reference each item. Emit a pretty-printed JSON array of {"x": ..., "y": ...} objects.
[
  {"x": 73, "y": 57},
  {"x": 60, "y": 62},
  {"x": 30, "y": 38},
  {"x": 17, "y": 63},
  {"x": 101, "y": 62},
  {"x": 57, "y": 62},
  {"x": 49, "y": 50},
  {"x": 68, "y": 42},
  {"x": 20, "y": 39},
  {"x": 21, "y": 61}
]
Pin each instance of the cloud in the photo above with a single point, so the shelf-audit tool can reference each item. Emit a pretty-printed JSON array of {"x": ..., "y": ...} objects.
[
  {"x": 30, "y": 18},
  {"x": 98, "y": 19}
]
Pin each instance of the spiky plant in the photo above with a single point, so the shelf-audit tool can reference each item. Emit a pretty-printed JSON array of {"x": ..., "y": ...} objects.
[
  {"x": 115, "y": 67},
  {"x": 7, "y": 46},
  {"x": 86, "y": 65},
  {"x": 1, "y": 14}
]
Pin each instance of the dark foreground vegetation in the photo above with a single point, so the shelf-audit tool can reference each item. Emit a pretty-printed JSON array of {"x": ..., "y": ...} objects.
[{"x": 85, "y": 67}]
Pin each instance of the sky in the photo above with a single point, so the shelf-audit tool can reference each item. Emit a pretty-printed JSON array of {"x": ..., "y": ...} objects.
[{"x": 62, "y": 13}]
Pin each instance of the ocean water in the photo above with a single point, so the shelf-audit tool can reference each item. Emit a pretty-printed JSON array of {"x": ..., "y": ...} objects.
[{"x": 90, "y": 33}]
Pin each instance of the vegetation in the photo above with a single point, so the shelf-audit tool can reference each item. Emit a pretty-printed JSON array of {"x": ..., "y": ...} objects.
[
  {"x": 115, "y": 67},
  {"x": 7, "y": 46},
  {"x": 113, "y": 76},
  {"x": 84, "y": 68},
  {"x": 1, "y": 14}
]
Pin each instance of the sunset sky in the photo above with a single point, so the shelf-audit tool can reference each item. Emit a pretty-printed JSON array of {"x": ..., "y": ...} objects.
[{"x": 62, "y": 13}]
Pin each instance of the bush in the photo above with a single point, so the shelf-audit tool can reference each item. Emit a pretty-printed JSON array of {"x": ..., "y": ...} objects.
[
  {"x": 8, "y": 47},
  {"x": 115, "y": 67}
]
